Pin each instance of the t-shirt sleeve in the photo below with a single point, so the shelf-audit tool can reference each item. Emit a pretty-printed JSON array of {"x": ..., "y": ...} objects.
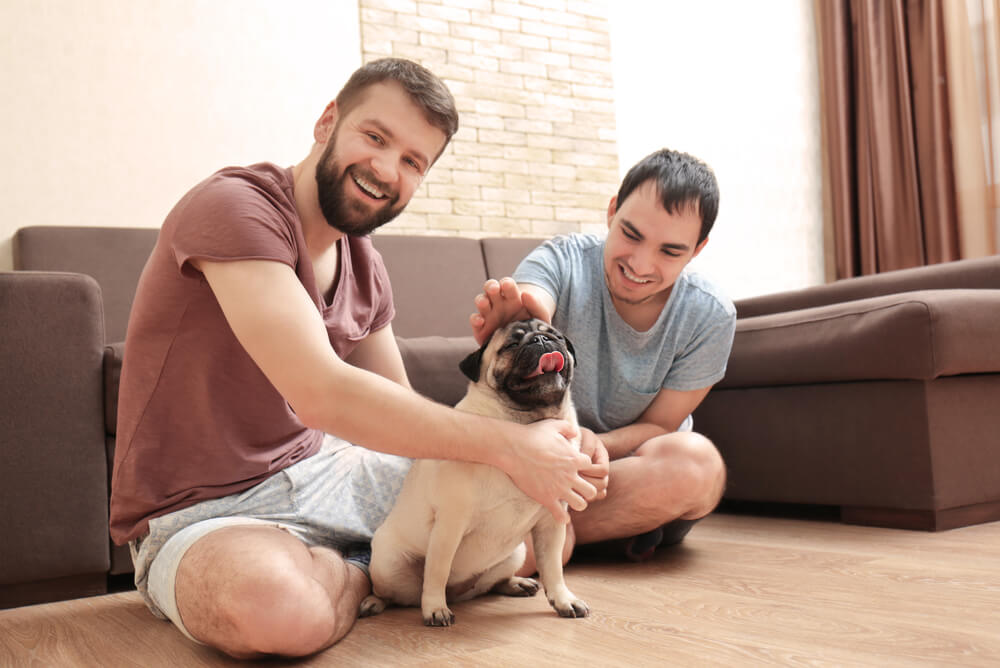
[
  {"x": 230, "y": 219},
  {"x": 546, "y": 267},
  {"x": 703, "y": 362}
]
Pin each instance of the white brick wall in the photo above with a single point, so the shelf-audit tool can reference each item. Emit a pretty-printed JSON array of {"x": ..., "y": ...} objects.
[{"x": 536, "y": 153}]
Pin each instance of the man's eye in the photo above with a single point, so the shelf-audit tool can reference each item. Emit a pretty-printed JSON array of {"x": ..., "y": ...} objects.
[
  {"x": 630, "y": 235},
  {"x": 374, "y": 137}
]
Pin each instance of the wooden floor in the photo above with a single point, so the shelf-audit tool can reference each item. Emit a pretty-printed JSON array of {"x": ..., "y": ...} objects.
[{"x": 741, "y": 590}]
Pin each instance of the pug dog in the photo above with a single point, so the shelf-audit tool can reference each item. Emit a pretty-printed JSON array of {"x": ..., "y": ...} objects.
[{"x": 457, "y": 529}]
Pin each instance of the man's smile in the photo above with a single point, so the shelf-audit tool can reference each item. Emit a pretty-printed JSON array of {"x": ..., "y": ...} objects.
[
  {"x": 629, "y": 276},
  {"x": 367, "y": 186}
]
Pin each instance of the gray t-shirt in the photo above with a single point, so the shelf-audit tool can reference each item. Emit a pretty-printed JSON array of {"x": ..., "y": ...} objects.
[{"x": 620, "y": 370}]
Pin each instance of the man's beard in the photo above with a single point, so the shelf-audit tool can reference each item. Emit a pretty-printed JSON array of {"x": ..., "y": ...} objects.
[{"x": 342, "y": 213}]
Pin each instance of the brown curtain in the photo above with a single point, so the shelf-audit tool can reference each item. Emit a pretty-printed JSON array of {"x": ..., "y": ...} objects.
[{"x": 891, "y": 196}]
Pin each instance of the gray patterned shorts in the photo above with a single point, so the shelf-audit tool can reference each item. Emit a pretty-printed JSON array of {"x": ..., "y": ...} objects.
[{"x": 337, "y": 498}]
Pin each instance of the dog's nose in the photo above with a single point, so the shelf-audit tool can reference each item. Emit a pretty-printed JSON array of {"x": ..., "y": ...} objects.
[{"x": 541, "y": 339}]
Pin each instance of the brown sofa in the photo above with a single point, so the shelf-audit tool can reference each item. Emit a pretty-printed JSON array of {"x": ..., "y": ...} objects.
[
  {"x": 879, "y": 395},
  {"x": 860, "y": 394}
]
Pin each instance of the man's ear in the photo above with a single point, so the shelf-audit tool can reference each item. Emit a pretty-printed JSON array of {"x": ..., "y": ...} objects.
[
  {"x": 697, "y": 249},
  {"x": 326, "y": 122},
  {"x": 612, "y": 208},
  {"x": 470, "y": 365}
]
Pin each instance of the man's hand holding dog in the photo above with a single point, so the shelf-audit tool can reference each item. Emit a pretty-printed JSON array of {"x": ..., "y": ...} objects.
[
  {"x": 551, "y": 470},
  {"x": 600, "y": 465}
]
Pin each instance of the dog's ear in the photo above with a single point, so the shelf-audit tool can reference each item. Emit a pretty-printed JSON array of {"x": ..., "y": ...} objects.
[
  {"x": 569, "y": 347},
  {"x": 470, "y": 365}
]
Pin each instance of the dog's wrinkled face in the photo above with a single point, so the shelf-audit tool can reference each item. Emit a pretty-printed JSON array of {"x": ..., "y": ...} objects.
[{"x": 528, "y": 362}]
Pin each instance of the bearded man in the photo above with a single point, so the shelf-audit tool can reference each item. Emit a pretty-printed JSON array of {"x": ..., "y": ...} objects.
[{"x": 266, "y": 422}]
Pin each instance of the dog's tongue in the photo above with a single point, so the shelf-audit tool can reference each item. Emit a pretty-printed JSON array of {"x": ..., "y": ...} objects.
[{"x": 548, "y": 362}]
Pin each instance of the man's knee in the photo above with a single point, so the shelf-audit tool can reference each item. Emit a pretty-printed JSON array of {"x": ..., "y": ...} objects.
[
  {"x": 262, "y": 606},
  {"x": 287, "y": 614},
  {"x": 689, "y": 462}
]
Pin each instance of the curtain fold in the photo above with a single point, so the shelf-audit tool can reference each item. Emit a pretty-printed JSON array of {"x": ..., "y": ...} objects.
[
  {"x": 890, "y": 149},
  {"x": 932, "y": 105},
  {"x": 833, "y": 31},
  {"x": 968, "y": 108}
]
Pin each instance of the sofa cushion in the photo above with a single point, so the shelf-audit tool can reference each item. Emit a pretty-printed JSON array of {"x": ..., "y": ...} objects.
[
  {"x": 113, "y": 256},
  {"x": 432, "y": 365},
  {"x": 977, "y": 273},
  {"x": 914, "y": 335},
  {"x": 434, "y": 280},
  {"x": 503, "y": 255}
]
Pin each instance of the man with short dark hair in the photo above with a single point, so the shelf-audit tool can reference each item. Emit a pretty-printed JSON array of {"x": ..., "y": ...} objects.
[{"x": 651, "y": 337}]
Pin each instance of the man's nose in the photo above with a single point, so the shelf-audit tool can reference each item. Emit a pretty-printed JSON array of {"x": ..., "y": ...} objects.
[
  {"x": 641, "y": 262},
  {"x": 384, "y": 167}
]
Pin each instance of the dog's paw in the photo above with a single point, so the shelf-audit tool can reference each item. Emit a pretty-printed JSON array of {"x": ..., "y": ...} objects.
[
  {"x": 439, "y": 617},
  {"x": 572, "y": 607},
  {"x": 371, "y": 605},
  {"x": 517, "y": 586}
]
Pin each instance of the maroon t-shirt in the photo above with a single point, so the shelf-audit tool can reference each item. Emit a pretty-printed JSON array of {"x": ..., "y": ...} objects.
[{"x": 197, "y": 419}]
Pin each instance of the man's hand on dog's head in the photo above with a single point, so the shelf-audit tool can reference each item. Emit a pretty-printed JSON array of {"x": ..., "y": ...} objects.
[{"x": 501, "y": 302}]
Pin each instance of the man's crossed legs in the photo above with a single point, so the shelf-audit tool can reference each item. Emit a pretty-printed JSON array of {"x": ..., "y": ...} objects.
[
  {"x": 277, "y": 569},
  {"x": 654, "y": 497}
]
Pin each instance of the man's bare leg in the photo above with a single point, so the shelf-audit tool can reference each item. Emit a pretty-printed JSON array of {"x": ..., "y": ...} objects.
[
  {"x": 674, "y": 476},
  {"x": 252, "y": 591}
]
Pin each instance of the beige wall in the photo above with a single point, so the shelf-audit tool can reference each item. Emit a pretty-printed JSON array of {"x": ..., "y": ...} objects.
[
  {"x": 112, "y": 109},
  {"x": 735, "y": 83}
]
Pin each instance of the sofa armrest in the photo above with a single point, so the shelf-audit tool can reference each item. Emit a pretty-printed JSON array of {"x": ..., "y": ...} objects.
[
  {"x": 432, "y": 365},
  {"x": 976, "y": 274},
  {"x": 53, "y": 483},
  {"x": 113, "y": 354}
]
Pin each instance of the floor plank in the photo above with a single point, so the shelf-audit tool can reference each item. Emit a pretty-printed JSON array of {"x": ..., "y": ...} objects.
[{"x": 741, "y": 590}]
